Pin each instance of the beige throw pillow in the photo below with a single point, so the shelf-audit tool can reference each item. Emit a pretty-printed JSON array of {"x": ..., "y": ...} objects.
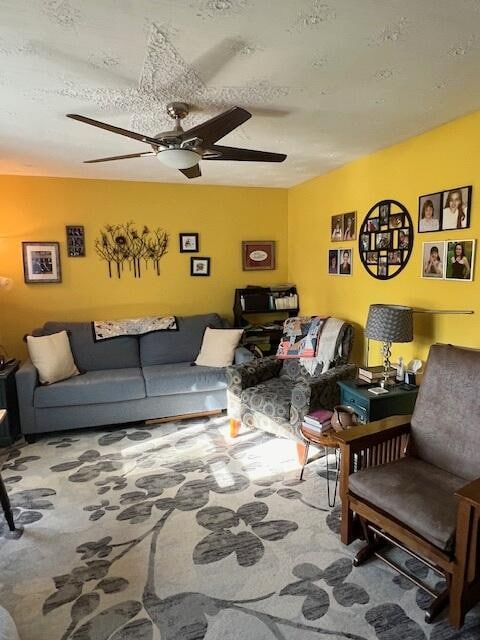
[
  {"x": 218, "y": 347},
  {"x": 52, "y": 357}
]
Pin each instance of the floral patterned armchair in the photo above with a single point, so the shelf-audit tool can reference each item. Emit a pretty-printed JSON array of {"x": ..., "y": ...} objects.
[{"x": 274, "y": 395}]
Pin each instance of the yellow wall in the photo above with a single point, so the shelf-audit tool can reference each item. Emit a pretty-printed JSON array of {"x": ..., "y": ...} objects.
[
  {"x": 39, "y": 208},
  {"x": 441, "y": 158}
]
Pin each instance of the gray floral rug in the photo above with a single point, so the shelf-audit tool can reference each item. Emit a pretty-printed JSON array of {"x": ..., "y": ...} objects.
[{"x": 180, "y": 533}]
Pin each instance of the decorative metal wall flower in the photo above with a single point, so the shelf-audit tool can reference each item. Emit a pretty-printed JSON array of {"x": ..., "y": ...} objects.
[{"x": 123, "y": 244}]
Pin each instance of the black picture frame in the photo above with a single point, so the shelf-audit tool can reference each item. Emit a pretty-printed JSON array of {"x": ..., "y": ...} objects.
[
  {"x": 41, "y": 262},
  {"x": 184, "y": 238},
  {"x": 437, "y": 199},
  {"x": 195, "y": 269},
  {"x": 373, "y": 226},
  {"x": 75, "y": 240}
]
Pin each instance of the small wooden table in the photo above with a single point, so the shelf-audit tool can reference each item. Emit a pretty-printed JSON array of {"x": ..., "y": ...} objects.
[
  {"x": 328, "y": 440},
  {"x": 4, "y": 499}
]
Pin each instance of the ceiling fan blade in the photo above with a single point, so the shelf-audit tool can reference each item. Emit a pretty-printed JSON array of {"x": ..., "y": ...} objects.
[
  {"x": 192, "y": 172},
  {"x": 217, "y": 152},
  {"x": 218, "y": 127},
  {"x": 130, "y": 155},
  {"x": 113, "y": 129}
]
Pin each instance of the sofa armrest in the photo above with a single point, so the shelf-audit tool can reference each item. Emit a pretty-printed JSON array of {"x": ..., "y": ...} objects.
[
  {"x": 27, "y": 381},
  {"x": 243, "y": 355},
  {"x": 242, "y": 376},
  {"x": 320, "y": 392}
]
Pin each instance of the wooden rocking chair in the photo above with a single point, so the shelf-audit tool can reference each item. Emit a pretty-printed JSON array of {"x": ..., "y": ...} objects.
[{"x": 415, "y": 483}]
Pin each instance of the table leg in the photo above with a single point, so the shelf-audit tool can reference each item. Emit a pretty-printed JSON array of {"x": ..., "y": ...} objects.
[
  {"x": 305, "y": 459},
  {"x": 331, "y": 503},
  {"x": 7, "y": 509}
]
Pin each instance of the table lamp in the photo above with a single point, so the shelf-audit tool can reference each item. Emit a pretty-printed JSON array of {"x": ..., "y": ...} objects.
[{"x": 389, "y": 323}]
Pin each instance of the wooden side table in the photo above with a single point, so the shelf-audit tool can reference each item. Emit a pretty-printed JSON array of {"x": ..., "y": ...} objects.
[
  {"x": 327, "y": 440},
  {"x": 4, "y": 499},
  {"x": 10, "y": 427}
]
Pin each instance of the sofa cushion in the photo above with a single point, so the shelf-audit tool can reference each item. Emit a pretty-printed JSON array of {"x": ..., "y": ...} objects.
[
  {"x": 93, "y": 387},
  {"x": 272, "y": 398},
  {"x": 166, "y": 347},
  {"x": 415, "y": 493},
  {"x": 117, "y": 353},
  {"x": 170, "y": 379}
]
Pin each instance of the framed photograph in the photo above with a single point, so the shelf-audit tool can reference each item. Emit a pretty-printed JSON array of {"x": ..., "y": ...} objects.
[
  {"x": 333, "y": 262},
  {"x": 345, "y": 262},
  {"x": 258, "y": 255},
  {"x": 384, "y": 212},
  {"x": 395, "y": 221},
  {"x": 456, "y": 208},
  {"x": 336, "y": 228},
  {"x": 404, "y": 239},
  {"x": 41, "y": 262},
  {"x": 382, "y": 267},
  {"x": 350, "y": 225},
  {"x": 199, "y": 266},
  {"x": 395, "y": 257},
  {"x": 460, "y": 259},
  {"x": 383, "y": 240},
  {"x": 372, "y": 257},
  {"x": 429, "y": 212},
  {"x": 75, "y": 241},
  {"x": 433, "y": 260},
  {"x": 365, "y": 242},
  {"x": 188, "y": 242},
  {"x": 373, "y": 225}
]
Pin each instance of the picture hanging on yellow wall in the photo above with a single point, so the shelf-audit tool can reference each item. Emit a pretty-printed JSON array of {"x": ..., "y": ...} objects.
[
  {"x": 445, "y": 210},
  {"x": 433, "y": 261},
  {"x": 41, "y": 262},
  {"x": 386, "y": 239},
  {"x": 460, "y": 259},
  {"x": 122, "y": 245}
]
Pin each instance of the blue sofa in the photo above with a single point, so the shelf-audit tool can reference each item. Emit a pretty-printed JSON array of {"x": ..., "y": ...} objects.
[{"x": 125, "y": 379}]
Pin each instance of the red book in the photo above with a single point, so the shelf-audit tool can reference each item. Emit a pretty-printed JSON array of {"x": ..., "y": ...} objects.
[{"x": 320, "y": 416}]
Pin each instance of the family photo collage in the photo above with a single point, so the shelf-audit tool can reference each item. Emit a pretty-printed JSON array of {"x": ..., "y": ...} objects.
[
  {"x": 385, "y": 238},
  {"x": 343, "y": 229}
]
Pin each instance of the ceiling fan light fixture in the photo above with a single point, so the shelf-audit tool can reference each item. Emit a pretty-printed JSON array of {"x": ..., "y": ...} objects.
[{"x": 179, "y": 158}]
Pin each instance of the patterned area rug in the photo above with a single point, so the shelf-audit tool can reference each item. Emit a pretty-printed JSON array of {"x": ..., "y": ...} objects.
[{"x": 180, "y": 533}]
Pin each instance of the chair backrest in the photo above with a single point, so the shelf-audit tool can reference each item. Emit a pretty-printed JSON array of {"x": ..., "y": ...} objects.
[
  {"x": 446, "y": 419},
  {"x": 293, "y": 370}
]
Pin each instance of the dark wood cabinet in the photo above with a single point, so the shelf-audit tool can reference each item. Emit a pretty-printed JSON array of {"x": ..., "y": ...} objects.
[
  {"x": 370, "y": 407},
  {"x": 10, "y": 427}
]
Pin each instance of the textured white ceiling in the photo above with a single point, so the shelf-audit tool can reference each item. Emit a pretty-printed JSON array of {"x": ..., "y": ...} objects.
[{"x": 326, "y": 81}]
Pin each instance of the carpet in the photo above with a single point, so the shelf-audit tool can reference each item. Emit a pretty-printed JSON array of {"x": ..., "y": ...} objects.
[{"x": 180, "y": 533}]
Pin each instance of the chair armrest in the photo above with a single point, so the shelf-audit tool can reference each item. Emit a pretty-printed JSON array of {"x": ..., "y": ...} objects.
[
  {"x": 471, "y": 493},
  {"x": 375, "y": 432},
  {"x": 243, "y": 355},
  {"x": 27, "y": 381},
  {"x": 318, "y": 392},
  {"x": 249, "y": 374}
]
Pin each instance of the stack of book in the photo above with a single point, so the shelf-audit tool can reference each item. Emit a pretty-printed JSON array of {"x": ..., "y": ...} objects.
[
  {"x": 374, "y": 374},
  {"x": 318, "y": 420}
]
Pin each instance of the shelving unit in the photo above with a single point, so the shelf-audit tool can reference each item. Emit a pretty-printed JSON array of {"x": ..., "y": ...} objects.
[{"x": 263, "y": 339}]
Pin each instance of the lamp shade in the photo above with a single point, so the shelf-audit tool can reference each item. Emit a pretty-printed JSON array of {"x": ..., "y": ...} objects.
[{"x": 389, "y": 323}]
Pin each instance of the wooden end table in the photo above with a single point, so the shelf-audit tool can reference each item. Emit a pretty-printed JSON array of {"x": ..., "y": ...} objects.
[
  {"x": 328, "y": 440},
  {"x": 4, "y": 499}
]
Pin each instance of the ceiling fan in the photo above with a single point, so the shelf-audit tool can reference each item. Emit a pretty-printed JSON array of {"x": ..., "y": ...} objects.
[{"x": 183, "y": 150}]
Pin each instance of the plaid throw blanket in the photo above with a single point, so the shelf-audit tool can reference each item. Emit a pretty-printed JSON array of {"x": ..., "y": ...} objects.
[{"x": 106, "y": 329}]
